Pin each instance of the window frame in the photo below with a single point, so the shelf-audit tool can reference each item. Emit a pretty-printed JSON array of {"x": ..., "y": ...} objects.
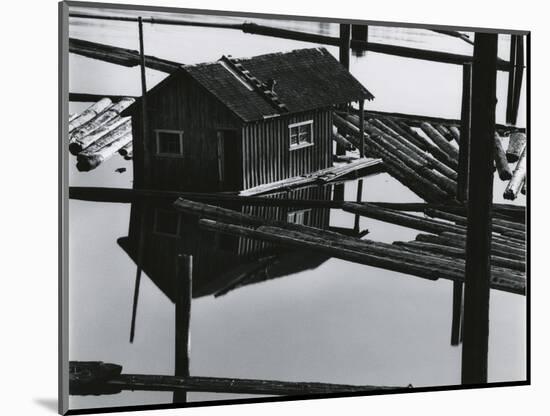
[
  {"x": 157, "y": 142},
  {"x": 296, "y": 212},
  {"x": 161, "y": 211},
  {"x": 297, "y": 126}
]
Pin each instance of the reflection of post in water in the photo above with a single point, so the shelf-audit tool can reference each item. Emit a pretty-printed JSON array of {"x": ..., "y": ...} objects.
[
  {"x": 139, "y": 268},
  {"x": 360, "y": 33},
  {"x": 183, "y": 295},
  {"x": 359, "y": 199}
]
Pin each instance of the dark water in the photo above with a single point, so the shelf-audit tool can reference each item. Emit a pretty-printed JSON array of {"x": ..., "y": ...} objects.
[{"x": 301, "y": 318}]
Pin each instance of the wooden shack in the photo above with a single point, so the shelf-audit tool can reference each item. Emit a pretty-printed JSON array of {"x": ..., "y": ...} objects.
[{"x": 235, "y": 124}]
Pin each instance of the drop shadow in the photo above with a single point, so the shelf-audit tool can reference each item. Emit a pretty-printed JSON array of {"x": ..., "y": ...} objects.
[{"x": 48, "y": 403}]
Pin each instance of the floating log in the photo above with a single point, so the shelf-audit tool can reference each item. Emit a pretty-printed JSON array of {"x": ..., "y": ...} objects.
[
  {"x": 428, "y": 267},
  {"x": 104, "y": 148},
  {"x": 110, "y": 112},
  {"x": 461, "y": 253},
  {"x": 459, "y": 240},
  {"x": 445, "y": 132},
  {"x": 414, "y": 120},
  {"x": 407, "y": 176},
  {"x": 439, "y": 140},
  {"x": 120, "y": 130},
  {"x": 416, "y": 162},
  {"x": 100, "y": 133},
  {"x": 399, "y": 218},
  {"x": 498, "y": 225},
  {"x": 504, "y": 172},
  {"x": 126, "y": 150},
  {"x": 514, "y": 186},
  {"x": 524, "y": 186},
  {"x": 342, "y": 141},
  {"x": 434, "y": 150},
  {"x": 410, "y": 150},
  {"x": 119, "y": 56},
  {"x": 89, "y": 113},
  {"x": 516, "y": 144},
  {"x": 455, "y": 131}
]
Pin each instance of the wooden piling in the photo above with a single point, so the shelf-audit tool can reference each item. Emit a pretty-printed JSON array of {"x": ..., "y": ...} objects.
[
  {"x": 480, "y": 194},
  {"x": 345, "y": 42},
  {"x": 144, "y": 145},
  {"x": 464, "y": 148}
]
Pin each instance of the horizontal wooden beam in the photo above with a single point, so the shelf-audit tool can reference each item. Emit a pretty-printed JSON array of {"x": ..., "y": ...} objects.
[
  {"x": 256, "y": 29},
  {"x": 119, "y": 56},
  {"x": 92, "y": 98}
]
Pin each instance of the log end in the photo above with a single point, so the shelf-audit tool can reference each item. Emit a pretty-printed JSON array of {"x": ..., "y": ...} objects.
[
  {"x": 75, "y": 148},
  {"x": 87, "y": 163},
  {"x": 512, "y": 157}
]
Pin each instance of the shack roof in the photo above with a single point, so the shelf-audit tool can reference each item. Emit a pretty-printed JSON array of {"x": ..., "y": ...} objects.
[{"x": 305, "y": 79}]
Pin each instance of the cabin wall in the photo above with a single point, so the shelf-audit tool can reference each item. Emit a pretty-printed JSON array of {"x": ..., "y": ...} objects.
[
  {"x": 182, "y": 104},
  {"x": 266, "y": 148}
]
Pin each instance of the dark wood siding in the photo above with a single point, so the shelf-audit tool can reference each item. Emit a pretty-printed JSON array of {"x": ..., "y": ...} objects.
[
  {"x": 182, "y": 104},
  {"x": 266, "y": 148}
]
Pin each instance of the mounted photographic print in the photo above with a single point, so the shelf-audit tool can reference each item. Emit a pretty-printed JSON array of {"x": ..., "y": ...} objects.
[{"x": 263, "y": 208}]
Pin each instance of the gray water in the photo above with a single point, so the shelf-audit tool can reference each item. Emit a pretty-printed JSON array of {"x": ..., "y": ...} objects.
[{"x": 341, "y": 322}]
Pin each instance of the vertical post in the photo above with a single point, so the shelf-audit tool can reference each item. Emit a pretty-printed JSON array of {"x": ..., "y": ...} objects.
[
  {"x": 518, "y": 78},
  {"x": 184, "y": 294},
  {"x": 362, "y": 127},
  {"x": 144, "y": 125},
  {"x": 345, "y": 43},
  {"x": 464, "y": 145},
  {"x": 511, "y": 75},
  {"x": 480, "y": 195},
  {"x": 359, "y": 32}
]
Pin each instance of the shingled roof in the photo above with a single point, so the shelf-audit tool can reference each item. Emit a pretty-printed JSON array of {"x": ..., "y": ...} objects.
[{"x": 306, "y": 79}]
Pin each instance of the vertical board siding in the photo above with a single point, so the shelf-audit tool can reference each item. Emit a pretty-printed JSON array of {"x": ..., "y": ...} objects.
[
  {"x": 266, "y": 148},
  {"x": 185, "y": 106}
]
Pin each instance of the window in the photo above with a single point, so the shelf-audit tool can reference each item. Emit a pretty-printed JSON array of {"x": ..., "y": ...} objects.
[
  {"x": 298, "y": 217},
  {"x": 301, "y": 134},
  {"x": 167, "y": 223},
  {"x": 169, "y": 142}
]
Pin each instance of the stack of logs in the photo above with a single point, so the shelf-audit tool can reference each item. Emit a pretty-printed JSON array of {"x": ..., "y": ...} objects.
[
  {"x": 442, "y": 258},
  {"x": 99, "y": 132},
  {"x": 425, "y": 159}
]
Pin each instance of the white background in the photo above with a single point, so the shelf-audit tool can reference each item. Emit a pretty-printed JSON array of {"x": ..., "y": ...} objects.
[{"x": 28, "y": 172}]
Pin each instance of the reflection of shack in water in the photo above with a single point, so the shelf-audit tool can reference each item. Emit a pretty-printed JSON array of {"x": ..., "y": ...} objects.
[{"x": 221, "y": 262}]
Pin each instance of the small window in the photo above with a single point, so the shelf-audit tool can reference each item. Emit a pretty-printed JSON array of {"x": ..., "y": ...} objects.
[
  {"x": 301, "y": 134},
  {"x": 167, "y": 223},
  {"x": 169, "y": 142},
  {"x": 298, "y": 217}
]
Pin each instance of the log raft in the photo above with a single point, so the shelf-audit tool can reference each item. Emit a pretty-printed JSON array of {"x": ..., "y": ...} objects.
[
  {"x": 98, "y": 381},
  {"x": 507, "y": 274},
  {"x": 99, "y": 132}
]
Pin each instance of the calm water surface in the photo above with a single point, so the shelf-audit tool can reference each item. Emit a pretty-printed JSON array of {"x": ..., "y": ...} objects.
[{"x": 340, "y": 322}]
